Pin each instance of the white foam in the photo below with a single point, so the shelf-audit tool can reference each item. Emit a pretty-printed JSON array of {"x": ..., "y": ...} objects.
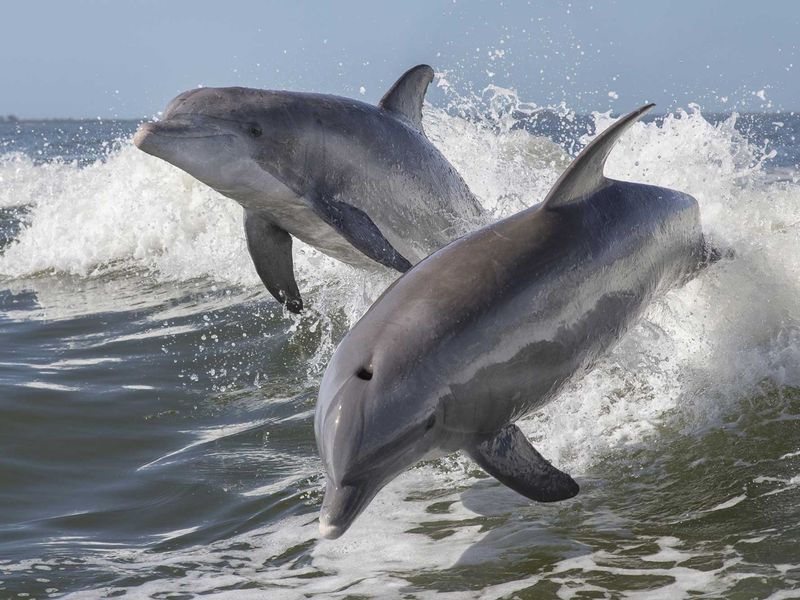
[
  {"x": 43, "y": 385},
  {"x": 78, "y": 363},
  {"x": 128, "y": 210},
  {"x": 204, "y": 436},
  {"x": 698, "y": 352},
  {"x": 790, "y": 484},
  {"x": 728, "y": 503}
]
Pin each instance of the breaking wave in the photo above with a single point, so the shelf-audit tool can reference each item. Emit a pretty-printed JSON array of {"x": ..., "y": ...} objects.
[{"x": 731, "y": 334}]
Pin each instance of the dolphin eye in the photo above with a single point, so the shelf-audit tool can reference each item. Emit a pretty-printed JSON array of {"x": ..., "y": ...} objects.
[
  {"x": 364, "y": 373},
  {"x": 255, "y": 131},
  {"x": 430, "y": 423}
]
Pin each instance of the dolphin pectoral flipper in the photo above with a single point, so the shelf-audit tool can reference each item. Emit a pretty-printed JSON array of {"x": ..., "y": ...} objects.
[
  {"x": 357, "y": 228},
  {"x": 271, "y": 250},
  {"x": 510, "y": 458}
]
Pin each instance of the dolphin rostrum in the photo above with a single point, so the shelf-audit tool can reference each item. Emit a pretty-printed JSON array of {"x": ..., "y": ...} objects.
[
  {"x": 490, "y": 327},
  {"x": 361, "y": 183}
]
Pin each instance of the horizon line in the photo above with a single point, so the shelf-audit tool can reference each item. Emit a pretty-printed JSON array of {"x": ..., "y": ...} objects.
[{"x": 5, "y": 120}]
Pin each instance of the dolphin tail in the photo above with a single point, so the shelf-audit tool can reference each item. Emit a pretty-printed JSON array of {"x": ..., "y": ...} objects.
[
  {"x": 271, "y": 250},
  {"x": 712, "y": 253},
  {"x": 707, "y": 255},
  {"x": 510, "y": 458}
]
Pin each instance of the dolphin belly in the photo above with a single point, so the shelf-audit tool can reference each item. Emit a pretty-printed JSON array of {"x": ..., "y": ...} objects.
[
  {"x": 293, "y": 214},
  {"x": 309, "y": 228}
]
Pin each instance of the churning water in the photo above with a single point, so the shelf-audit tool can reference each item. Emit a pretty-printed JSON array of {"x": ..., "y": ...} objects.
[{"x": 156, "y": 404}]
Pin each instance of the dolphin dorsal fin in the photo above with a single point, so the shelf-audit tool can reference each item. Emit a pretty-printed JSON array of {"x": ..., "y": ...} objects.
[
  {"x": 406, "y": 95},
  {"x": 585, "y": 175}
]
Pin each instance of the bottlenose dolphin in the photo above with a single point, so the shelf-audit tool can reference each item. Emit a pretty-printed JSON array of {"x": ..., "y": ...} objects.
[
  {"x": 361, "y": 183},
  {"x": 491, "y": 326}
]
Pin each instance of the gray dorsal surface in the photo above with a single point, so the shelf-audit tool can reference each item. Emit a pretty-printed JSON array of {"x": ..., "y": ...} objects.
[
  {"x": 359, "y": 182},
  {"x": 491, "y": 327}
]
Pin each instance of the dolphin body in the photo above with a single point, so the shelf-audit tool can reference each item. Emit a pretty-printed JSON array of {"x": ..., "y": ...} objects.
[
  {"x": 361, "y": 183},
  {"x": 490, "y": 327}
]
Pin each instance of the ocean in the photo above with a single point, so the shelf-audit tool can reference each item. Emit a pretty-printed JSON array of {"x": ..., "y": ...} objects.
[{"x": 156, "y": 404}]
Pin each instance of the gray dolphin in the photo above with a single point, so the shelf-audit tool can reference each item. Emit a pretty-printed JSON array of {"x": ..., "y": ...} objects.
[
  {"x": 361, "y": 183},
  {"x": 490, "y": 327}
]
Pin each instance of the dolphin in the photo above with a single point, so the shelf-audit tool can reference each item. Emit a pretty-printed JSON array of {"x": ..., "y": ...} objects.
[
  {"x": 489, "y": 328},
  {"x": 361, "y": 183}
]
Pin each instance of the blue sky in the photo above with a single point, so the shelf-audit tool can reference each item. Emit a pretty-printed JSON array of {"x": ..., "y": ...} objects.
[{"x": 89, "y": 58}]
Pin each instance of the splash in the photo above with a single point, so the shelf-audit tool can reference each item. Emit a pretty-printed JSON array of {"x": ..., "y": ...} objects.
[
  {"x": 731, "y": 334},
  {"x": 125, "y": 211},
  {"x": 737, "y": 323}
]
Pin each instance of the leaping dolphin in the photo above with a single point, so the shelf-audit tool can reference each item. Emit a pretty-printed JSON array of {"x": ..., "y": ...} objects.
[
  {"x": 490, "y": 327},
  {"x": 361, "y": 183}
]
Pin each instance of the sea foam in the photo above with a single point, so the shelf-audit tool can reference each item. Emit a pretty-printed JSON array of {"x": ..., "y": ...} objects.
[{"x": 701, "y": 349}]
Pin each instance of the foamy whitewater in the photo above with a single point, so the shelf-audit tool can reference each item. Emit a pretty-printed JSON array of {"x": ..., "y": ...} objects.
[{"x": 159, "y": 403}]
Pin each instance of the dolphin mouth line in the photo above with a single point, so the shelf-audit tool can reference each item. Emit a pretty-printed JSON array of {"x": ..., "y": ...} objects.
[
  {"x": 151, "y": 131},
  {"x": 343, "y": 507}
]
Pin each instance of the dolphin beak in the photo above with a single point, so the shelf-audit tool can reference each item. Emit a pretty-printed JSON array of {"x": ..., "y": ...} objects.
[
  {"x": 341, "y": 506},
  {"x": 144, "y": 136},
  {"x": 161, "y": 137}
]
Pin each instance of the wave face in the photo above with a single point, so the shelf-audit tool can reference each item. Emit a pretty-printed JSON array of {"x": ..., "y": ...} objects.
[{"x": 157, "y": 405}]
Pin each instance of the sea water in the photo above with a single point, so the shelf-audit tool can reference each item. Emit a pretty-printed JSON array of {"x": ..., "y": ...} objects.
[{"x": 156, "y": 404}]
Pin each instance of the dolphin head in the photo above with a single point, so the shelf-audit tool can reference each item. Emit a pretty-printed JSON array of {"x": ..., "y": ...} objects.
[
  {"x": 220, "y": 136},
  {"x": 377, "y": 415}
]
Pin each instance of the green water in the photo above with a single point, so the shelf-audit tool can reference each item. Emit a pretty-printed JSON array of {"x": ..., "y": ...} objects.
[{"x": 156, "y": 406}]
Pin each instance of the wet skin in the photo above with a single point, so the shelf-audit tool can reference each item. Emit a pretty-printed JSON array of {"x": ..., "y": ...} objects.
[
  {"x": 361, "y": 183},
  {"x": 489, "y": 328}
]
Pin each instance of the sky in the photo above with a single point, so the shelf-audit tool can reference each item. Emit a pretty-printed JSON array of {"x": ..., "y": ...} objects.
[{"x": 102, "y": 58}]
